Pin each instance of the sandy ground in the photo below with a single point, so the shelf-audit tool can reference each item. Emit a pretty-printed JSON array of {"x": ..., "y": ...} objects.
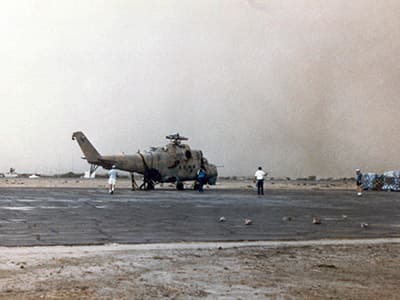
[{"x": 265, "y": 270}]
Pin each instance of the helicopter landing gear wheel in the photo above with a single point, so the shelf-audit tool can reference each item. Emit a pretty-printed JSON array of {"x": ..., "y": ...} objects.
[
  {"x": 150, "y": 185},
  {"x": 179, "y": 186},
  {"x": 147, "y": 184},
  {"x": 150, "y": 178},
  {"x": 196, "y": 185}
]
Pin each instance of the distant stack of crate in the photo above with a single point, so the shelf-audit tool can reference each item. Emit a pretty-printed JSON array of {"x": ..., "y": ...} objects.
[
  {"x": 391, "y": 181},
  {"x": 372, "y": 181}
]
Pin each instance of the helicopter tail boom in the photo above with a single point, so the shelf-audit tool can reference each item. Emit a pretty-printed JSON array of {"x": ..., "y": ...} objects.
[{"x": 90, "y": 152}]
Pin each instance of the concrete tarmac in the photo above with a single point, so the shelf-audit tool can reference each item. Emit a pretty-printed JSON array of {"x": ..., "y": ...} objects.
[{"x": 46, "y": 216}]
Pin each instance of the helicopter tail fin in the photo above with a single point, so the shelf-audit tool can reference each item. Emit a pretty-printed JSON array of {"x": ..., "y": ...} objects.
[{"x": 90, "y": 152}]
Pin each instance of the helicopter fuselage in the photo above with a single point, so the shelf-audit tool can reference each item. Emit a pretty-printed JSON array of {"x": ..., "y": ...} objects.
[{"x": 174, "y": 162}]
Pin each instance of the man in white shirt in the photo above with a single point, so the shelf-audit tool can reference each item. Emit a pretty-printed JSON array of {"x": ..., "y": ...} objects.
[
  {"x": 259, "y": 178},
  {"x": 112, "y": 179}
]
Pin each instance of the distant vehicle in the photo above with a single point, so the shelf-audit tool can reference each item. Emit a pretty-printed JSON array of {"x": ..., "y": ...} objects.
[{"x": 174, "y": 163}]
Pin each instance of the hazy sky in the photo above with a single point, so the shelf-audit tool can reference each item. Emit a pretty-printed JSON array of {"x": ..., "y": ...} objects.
[{"x": 299, "y": 87}]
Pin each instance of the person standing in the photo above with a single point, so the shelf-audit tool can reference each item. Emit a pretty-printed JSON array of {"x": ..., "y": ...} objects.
[
  {"x": 201, "y": 178},
  {"x": 359, "y": 176},
  {"x": 259, "y": 178},
  {"x": 112, "y": 179}
]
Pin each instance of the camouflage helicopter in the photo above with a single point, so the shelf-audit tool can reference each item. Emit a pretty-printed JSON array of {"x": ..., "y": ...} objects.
[{"x": 174, "y": 163}]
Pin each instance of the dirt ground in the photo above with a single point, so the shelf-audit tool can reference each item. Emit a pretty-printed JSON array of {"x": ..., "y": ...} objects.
[{"x": 265, "y": 270}]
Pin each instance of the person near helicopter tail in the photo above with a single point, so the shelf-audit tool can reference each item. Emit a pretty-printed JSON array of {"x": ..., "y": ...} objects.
[{"x": 112, "y": 180}]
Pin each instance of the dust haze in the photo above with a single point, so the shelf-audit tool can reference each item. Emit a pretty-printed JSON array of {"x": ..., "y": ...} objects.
[{"x": 300, "y": 87}]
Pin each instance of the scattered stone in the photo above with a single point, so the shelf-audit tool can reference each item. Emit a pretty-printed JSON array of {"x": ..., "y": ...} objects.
[
  {"x": 344, "y": 217},
  {"x": 248, "y": 222},
  {"x": 364, "y": 225},
  {"x": 222, "y": 219},
  {"x": 316, "y": 221},
  {"x": 287, "y": 218},
  {"x": 327, "y": 266}
]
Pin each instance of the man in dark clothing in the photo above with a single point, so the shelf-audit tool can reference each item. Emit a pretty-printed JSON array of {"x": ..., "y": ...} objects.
[{"x": 359, "y": 176}]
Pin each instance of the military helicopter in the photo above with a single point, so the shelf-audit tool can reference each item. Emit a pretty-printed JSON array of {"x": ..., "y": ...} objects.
[{"x": 174, "y": 163}]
